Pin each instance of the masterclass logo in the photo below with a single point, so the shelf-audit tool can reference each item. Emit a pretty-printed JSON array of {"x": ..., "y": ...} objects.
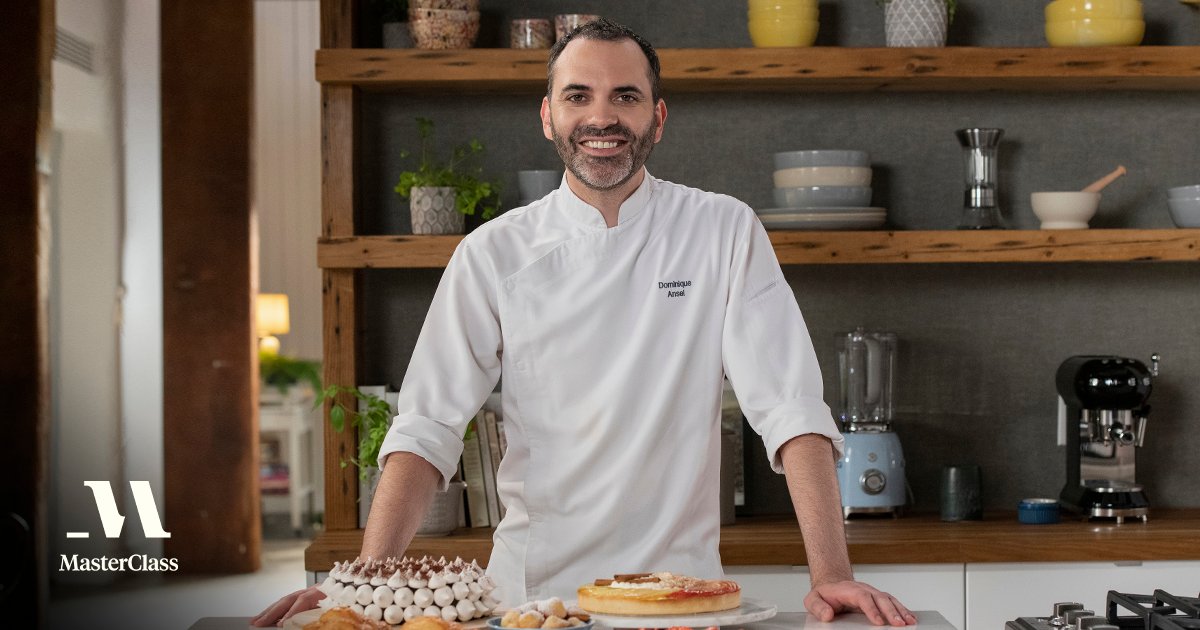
[{"x": 113, "y": 523}]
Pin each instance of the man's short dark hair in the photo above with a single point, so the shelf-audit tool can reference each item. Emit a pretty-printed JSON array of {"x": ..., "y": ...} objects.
[{"x": 605, "y": 30}]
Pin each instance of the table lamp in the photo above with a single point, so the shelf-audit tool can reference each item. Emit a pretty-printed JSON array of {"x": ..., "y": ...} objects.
[{"x": 271, "y": 318}]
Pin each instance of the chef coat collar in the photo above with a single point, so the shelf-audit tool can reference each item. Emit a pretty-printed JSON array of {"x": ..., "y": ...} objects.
[{"x": 588, "y": 215}]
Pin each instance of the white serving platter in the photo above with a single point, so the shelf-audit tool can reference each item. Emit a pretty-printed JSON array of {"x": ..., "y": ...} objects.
[{"x": 750, "y": 611}]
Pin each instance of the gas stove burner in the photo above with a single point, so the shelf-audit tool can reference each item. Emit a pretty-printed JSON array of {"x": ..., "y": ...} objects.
[{"x": 1160, "y": 611}]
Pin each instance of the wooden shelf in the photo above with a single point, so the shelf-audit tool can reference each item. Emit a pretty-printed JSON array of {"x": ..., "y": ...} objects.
[
  {"x": 805, "y": 248},
  {"x": 1170, "y": 534},
  {"x": 832, "y": 69}
]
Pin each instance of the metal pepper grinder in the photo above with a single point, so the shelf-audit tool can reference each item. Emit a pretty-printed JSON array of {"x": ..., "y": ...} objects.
[{"x": 981, "y": 208}]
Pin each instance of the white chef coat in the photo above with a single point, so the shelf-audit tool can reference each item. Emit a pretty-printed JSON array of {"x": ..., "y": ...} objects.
[{"x": 613, "y": 343}]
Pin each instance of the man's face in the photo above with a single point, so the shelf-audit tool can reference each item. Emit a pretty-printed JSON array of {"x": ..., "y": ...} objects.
[{"x": 600, "y": 113}]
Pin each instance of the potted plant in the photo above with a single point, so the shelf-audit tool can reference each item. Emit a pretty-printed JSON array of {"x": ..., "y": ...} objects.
[
  {"x": 441, "y": 193},
  {"x": 279, "y": 373},
  {"x": 372, "y": 417},
  {"x": 917, "y": 23}
]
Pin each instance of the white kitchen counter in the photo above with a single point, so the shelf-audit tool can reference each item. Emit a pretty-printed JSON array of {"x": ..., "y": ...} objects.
[{"x": 926, "y": 620}]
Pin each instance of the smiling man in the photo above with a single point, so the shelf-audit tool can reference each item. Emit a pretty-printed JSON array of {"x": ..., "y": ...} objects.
[{"x": 614, "y": 307}]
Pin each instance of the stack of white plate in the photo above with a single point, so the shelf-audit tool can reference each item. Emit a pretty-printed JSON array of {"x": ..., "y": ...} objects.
[{"x": 823, "y": 190}]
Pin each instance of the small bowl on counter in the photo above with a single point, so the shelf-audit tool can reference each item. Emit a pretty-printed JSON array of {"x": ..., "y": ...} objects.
[
  {"x": 1067, "y": 210},
  {"x": 1185, "y": 212}
]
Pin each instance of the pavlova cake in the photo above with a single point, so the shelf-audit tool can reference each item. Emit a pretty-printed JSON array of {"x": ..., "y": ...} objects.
[{"x": 397, "y": 590}]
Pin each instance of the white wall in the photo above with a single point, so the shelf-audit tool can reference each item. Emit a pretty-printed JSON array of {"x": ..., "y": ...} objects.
[
  {"x": 287, "y": 176},
  {"x": 85, "y": 277},
  {"x": 106, "y": 285},
  {"x": 287, "y": 163}
]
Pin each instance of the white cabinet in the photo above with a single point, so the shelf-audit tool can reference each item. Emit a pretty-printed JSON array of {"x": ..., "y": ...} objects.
[
  {"x": 983, "y": 596},
  {"x": 919, "y": 586},
  {"x": 998, "y": 592},
  {"x": 290, "y": 425}
]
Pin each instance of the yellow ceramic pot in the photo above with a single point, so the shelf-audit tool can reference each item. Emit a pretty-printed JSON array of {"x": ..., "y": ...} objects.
[
  {"x": 1095, "y": 32},
  {"x": 1064, "y": 10},
  {"x": 783, "y": 32},
  {"x": 784, "y": 14},
  {"x": 770, "y": 5}
]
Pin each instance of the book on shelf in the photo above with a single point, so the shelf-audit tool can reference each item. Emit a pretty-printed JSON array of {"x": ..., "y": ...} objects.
[
  {"x": 472, "y": 467},
  {"x": 489, "y": 471}
]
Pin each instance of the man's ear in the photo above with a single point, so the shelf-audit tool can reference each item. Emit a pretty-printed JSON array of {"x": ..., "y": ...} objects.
[
  {"x": 547, "y": 126},
  {"x": 661, "y": 111}
]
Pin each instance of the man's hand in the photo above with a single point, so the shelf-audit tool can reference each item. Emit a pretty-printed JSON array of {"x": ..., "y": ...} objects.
[
  {"x": 300, "y": 601},
  {"x": 827, "y": 600}
]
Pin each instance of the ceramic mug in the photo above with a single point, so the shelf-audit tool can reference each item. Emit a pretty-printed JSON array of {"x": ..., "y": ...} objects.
[{"x": 962, "y": 493}]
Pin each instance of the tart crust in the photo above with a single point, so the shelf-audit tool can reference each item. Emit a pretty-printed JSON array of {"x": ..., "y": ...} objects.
[{"x": 678, "y": 595}]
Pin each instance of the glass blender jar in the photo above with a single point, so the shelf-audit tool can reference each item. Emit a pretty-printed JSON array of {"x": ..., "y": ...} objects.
[{"x": 871, "y": 470}]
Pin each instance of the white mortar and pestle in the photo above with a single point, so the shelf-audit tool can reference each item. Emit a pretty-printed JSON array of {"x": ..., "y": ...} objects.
[{"x": 1071, "y": 210}]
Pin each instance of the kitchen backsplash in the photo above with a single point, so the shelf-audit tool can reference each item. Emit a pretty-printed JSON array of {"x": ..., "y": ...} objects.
[{"x": 979, "y": 343}]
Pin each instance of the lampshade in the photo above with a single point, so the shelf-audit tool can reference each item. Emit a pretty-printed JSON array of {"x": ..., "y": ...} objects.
[{"x": 271, "y": 314}]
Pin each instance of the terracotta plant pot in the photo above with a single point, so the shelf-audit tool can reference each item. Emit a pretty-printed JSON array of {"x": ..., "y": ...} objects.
[
  {"x": 433, "y": 211},
  {"x": 915, "y": 23}
]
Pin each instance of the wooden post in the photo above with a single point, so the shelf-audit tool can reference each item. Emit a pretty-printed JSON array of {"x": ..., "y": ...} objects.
[
  {"x": 26, "y": 45},
  {"x": 210, "y": 366},
  {"x": 339, "y": 123}
]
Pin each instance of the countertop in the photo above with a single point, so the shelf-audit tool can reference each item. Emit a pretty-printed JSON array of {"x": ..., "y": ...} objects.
[
  {"x": 1170, "y": 534},
  {"x": 926, "y": 620}
]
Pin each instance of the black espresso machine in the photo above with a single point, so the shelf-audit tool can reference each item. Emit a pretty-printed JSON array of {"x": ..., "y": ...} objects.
[{"x": 1102, "y": 421}]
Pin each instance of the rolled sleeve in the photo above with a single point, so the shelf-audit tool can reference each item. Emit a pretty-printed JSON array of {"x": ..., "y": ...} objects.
[
  {"x": 455, "y": 365},
  {"x": 767, "y": 353}
]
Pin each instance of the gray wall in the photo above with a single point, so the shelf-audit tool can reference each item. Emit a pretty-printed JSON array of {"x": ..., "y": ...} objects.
[{"x": 980, "y": 343}]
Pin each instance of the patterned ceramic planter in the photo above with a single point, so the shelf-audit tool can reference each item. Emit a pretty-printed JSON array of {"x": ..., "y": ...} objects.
[
  {"x": 433, "y": 211},
  {"x": 915, "y": 23}
]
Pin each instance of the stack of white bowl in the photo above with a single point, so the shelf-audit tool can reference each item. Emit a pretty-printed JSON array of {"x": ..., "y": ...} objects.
[{"x": 823, "y": 190}]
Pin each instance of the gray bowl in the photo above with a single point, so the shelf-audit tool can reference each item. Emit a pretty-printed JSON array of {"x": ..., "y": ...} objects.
[
  {"x": 1185, "y": 212},
  {"x": 797, "y": 159},
  {"x": 1183, "y": 192},
  {"x": 823, "y": 196}
]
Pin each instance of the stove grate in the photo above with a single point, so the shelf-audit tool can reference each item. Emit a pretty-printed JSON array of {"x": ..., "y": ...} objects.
[{"x": 1160, "y": 611}]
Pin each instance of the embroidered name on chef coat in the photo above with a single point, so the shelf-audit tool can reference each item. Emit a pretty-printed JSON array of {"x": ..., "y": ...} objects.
[{"x": 675, "y": 288}]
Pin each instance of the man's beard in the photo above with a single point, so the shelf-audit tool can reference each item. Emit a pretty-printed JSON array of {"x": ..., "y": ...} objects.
[{"x": 605, "y": 173}]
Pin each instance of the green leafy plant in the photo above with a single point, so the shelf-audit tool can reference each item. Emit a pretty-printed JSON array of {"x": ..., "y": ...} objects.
[
  {"x": 473, "y": 192},
  {"x": 282, "y": 372},
  {"x": 371, "y": 423},
  {"x": 951, "y": 8}
]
